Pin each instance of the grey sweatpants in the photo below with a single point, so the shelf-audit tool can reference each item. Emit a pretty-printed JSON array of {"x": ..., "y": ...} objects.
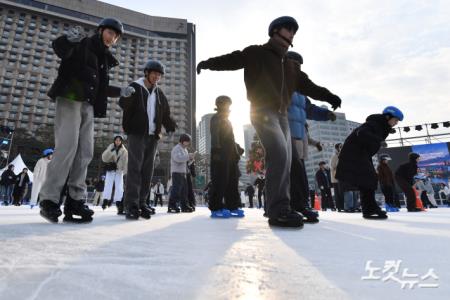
[
  {"x": 273, "y": 130},
  {"x": 74, "y": 149},
  {"x": 141, "y": 157}
]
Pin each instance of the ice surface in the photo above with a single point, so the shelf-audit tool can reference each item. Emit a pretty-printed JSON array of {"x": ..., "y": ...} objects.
[{"x": 190, "y": 256}]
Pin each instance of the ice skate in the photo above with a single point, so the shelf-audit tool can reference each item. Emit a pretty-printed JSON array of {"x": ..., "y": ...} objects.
[
  {"x": 77, "y": 208},
  {"x": 50, "y": 211}
]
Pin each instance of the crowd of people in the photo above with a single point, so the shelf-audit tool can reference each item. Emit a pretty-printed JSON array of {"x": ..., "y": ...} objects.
[{"x": 278, "y": 92}]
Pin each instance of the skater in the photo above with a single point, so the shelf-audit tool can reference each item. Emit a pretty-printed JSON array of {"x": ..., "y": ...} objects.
[
  {"x": 99, "y": 188},
  {"x": 404, "y": 176},
  {"x": 420, "y": 188},
  {"x": 115, "y": 159},
  {"x": 338, "y": 193},
  {"x": 159, "y": 192},
  {"x": 7, "y": 185},
  {"x": 355, "y": 169},
  {"x": 260, "y": 183},
  {"x": 250, "y": 192},
  {"x": 178, "y": 159},
  {"x": 386, "y": 179},
  {"x": 21, "y": 187},
  {"x": 224, "y": 200},
  {"x": 301, "y": 109},
  {"x": 430, "y": 192},
  {"x": 144, "y": 114},
  {"x": 323, "y": 178},
  {"x": 270, "y": 80},
  {"x": 39, "y": 175},
  {"x": 80, "y": 91}
]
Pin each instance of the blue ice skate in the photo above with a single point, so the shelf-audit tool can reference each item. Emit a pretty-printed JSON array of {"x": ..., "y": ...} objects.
[
  {"x": 237, "y": 213},
  {"x": 390, "y": 208},
  {"x": 220, "y": 214}
]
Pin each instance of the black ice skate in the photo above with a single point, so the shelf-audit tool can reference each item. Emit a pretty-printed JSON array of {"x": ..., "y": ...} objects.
[
  {"x": 310, "y": 216},
  {"x": 187, "y": 209},
  {"x": 119, "y": 205},
  {"x": 50, "y": 210},
  {"x": 77, "y": 208},
  {"x": 132, "y": 213},
  {"x": 146, "y": 212},
  {"x": 375, "y": 215},
  {"x": 291, "y": 219},
  {"x": 173, "y": 209}
]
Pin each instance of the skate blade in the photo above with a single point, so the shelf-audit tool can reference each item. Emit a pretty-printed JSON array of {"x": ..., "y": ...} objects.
[{"x": 48, "y": 219}]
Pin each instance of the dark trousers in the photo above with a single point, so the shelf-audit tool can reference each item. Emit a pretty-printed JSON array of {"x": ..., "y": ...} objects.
[
  {"x": 425, "y": 200},
  {"x": 190, "y": 191},
  {"x": 327, "y": 199},
  {"x": 273, "y": 130},
  {"x": 299, "y": 184},
  {"x": 409, "y": 192},
  {"x": 338, "y": 196},
  {"x": 250, "y": 200},
  {"x": 388, "y": 192},
  {"x": 158, "y": 197},
  {"x": 178, "y": 193},
  {"x": 368, "y": 203},
  {"x": 141, "y": 156},
  {"x": 223, "y": 192},
  {"x": 261, "y": 198}
]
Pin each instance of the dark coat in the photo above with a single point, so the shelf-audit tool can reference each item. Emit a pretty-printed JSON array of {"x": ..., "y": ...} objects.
[
  {"x": 135, "y": 117},
  {"x": 407, "y": 171},
  {"x": 25, "y": 181},
  {"x": 250, "y": 190},
  {"x": 8, "y": 177},
  {"x": 270, "y": 78},
  {"x": 385, "y": 175},
  {"x": 355, "y": 165},
  {"x": 222, "y": 138},
  {"x": 83, "y": 73},
  {"x": 323, "y": 181}
]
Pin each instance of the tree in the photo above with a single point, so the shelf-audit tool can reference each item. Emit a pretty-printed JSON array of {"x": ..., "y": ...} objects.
[{"x": 255, "y": 162}]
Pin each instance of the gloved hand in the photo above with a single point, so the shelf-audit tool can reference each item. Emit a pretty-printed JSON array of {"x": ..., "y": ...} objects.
[
  {"x": 201, "y": 65},
  {"x": 75, "y": 34},
  {"x": 319, "y": 147},
  {"x": 127, "y": 91},
  {"x": 331, "y": 116},
  {"x": 383, "y": 144},
  {"x": 335, "y": 101}
]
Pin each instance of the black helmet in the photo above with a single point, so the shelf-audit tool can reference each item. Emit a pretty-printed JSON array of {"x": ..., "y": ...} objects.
[
  {"x": 413, "y": 156},
  {"x": 222, "y": 100},
  {"x": 285, "y": 21},
  {"x": 184, "y": 137},
  {"x": 112, "y": 23},
  {"x": 295, "y": 56},
  {"x": 154, "y": 65}
]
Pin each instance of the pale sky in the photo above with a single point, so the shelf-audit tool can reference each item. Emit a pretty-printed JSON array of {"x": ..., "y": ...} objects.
[{"x": 370, "y": 53}]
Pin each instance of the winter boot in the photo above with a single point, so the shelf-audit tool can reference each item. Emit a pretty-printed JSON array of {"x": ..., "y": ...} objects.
[
  {"x": 132, "y": 213},
  {"x": 105, "y": 204},
  {"x": 291, "y": 219},
  {"x": 237, "y": 213},
  {"x": 145, "y": 212},
  {"x": 50, "y": 211},
  {"x": 119, "y": 205},
  {"x": 220, "y": 214},
  {"x": 78, "y": 208},
  {"x": 173, "y": 209}
]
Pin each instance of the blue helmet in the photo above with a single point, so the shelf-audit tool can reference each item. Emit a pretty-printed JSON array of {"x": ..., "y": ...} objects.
[
  {"x": 47, "y": 152},
  {"x": 393, "y": 112},
  {"x": 285, "y": 21}
]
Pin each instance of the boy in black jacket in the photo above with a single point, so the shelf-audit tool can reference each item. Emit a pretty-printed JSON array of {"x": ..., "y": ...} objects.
[
  {"x": 270, "y": 79},
  {"x": 80, "y": 91},
  {"x": 355, "y": 169},
  {"x": 144, "y": 114},
  {"x": 404, "y": 176}
]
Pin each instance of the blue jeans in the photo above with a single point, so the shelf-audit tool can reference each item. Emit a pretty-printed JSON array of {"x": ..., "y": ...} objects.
[
  {"x": 350, "y": 200},
  {"x": 6, "y": 193},
  {"x": 178, "y": 194}
]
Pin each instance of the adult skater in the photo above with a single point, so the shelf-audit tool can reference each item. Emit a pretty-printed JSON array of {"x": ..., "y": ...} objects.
[
  {"x": 80, "y": 91},
  {"x": 355, "y": 169},
  {"x": 7, "y": 185},
  {"x": 323, "y": 178},
  {"x": 271, "y": 79},
  {"x": 39, "y": 175}
]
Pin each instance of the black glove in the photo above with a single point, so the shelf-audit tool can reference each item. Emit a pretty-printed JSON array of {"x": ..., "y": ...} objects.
[
  {"x": 331, "y": 116},
  {"x": 201, "y": 65},
  {"x": 335, "y": 101},
  {"x": 319, "y": 147}
]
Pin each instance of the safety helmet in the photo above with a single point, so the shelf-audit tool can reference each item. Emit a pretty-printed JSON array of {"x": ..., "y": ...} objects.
[
  {"x": 295, "y": 56},
  {"x": 154, "y": 65},
  {"x": 394, "y": 112},
  {"x": 111, "y": 23},
  {"x": 283, "y": 22},
  {"x": 47, "y": 152}
]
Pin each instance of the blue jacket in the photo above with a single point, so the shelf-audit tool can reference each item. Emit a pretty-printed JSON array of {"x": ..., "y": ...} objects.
[{"x": 300, "y": 110}]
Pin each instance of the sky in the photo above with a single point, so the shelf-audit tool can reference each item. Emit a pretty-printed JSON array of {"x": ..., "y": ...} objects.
[{"x": 370, "y": 53}]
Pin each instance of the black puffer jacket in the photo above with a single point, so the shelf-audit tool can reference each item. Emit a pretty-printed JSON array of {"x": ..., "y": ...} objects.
[
  {"x": 222, "y": 138},
  {"x": 407, "y": 171},
  {"x": 8, "y": 177},
  {"x": 270, "y": 78},
  {"x": 355, "y": 165},
  {"x": 135, "y": 117},
  {"x": 83, "y": 73}
]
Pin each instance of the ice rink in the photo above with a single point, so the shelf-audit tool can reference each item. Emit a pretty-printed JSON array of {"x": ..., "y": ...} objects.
[{"x": 190, "y": 256}]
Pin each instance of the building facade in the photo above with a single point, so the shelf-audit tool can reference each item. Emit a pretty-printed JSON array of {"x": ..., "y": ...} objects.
[{"x": 204, "y": 135}]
